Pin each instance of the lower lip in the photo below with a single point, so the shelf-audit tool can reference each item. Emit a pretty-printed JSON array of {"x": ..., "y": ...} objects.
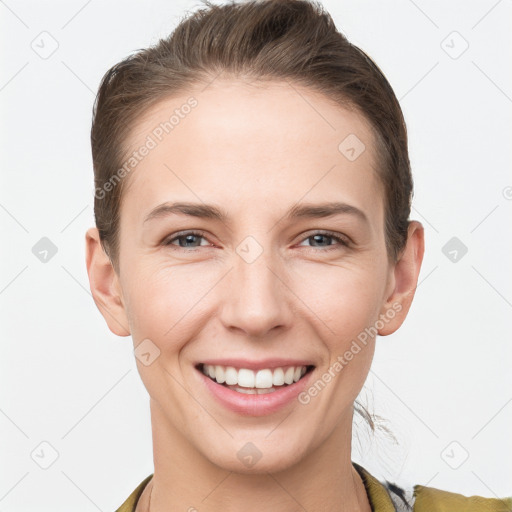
[{"x": 254, "y": 404}]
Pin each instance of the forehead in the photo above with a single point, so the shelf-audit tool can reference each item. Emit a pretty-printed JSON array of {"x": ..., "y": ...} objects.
[{"x": 257, "y": 145}]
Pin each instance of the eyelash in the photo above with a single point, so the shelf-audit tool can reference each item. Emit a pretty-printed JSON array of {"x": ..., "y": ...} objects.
[{"x": 341, "y": 240}]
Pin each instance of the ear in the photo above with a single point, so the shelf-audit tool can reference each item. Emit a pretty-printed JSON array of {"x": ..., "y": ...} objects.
[
  {"x": 403, "y": 280},
  {"x": 105, "y": 286}
]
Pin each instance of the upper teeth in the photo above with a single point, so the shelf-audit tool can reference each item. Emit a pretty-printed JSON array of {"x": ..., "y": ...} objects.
[{"x": 265, "y": 378}]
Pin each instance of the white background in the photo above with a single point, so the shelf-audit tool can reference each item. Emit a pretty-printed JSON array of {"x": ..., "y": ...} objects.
[{"x": 442, "y": 381}]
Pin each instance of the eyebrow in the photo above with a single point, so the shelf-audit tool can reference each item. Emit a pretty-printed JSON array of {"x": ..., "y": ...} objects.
[{"x": 302, "y": 210}]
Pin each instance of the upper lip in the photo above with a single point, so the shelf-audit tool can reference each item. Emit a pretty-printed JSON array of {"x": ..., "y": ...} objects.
[{"x": 256, "y": 364}]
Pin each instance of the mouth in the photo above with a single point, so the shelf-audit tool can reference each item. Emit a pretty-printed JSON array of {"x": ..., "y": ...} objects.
[{"x": 257, "y": 381}]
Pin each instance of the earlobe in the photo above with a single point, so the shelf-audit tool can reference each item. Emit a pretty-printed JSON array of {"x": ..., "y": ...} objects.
[
  {"x": 405, "y": 280},
  {"x": 104, "y": 284}
]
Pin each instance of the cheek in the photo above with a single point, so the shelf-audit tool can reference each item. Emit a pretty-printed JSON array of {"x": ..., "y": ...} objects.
[
  {"x": 344, "y": 302},
  {"x": 153, "y": 301},
  {"x": 164, "y": 300},
  {"x": 345, "y": 298}
]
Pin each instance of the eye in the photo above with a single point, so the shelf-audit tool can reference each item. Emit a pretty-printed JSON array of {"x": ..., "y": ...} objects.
[
  {"x": 326, "y": 235},
  {"x": 186, "y": 238},
  {"x": 191, "y": 240}
]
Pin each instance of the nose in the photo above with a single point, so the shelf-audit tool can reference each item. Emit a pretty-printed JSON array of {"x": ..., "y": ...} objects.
[{"x": 256, "y": 296}]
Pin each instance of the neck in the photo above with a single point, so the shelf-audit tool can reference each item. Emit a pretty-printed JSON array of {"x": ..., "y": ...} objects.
[{"x": 185, "y": 480}]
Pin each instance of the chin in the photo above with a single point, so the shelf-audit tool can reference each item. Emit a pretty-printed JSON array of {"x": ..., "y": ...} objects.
[{"x": 257, "y": 456}]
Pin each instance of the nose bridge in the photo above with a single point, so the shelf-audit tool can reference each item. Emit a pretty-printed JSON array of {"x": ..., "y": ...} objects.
[{"x": 255, "y": 294}]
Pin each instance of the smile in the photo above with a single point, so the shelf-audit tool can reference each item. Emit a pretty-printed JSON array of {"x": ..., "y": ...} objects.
[{"x": 262, "y": 389}]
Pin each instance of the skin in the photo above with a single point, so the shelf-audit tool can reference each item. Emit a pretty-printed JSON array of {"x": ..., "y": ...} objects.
[{"x": 254, "y": 150}]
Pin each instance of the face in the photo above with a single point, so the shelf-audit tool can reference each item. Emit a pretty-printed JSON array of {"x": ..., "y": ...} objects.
[{"x": 257, "y": 276}]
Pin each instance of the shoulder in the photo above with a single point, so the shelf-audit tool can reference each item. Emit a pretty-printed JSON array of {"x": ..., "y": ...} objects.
[
  {"x": 387, "y": 496},
  {"x": 430, "y": 499}
]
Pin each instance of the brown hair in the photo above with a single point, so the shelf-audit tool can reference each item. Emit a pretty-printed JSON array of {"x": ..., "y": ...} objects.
[{"x": 292, "y": 40}]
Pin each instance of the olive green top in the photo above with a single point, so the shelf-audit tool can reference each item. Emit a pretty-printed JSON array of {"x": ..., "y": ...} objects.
[{"x": 387, "y": 497}]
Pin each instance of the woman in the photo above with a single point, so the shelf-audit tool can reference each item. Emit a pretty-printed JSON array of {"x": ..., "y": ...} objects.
[{"x": 252, "y": 205}]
